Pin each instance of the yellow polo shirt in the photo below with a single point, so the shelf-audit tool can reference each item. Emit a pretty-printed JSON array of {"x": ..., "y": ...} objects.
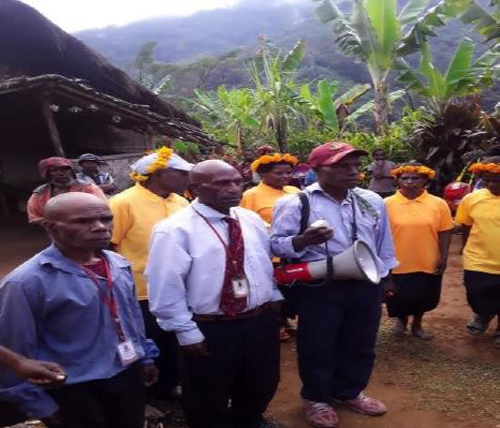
[
  {"x": 415, "y": 224},
  {"x": 136, "y": 211},
  {"x": 481, "y": 211},
  {"x": 262, "y": 199}
]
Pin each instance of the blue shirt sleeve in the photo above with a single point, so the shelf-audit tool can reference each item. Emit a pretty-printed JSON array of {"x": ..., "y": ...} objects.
[
  {"x": 285, "y": 226},
  {"x": 385, "y": 243},
  {"x": 18, "y": 332}
]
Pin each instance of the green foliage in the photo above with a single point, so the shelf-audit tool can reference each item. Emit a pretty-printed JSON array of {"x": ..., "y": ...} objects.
[
  {"x": 443, "y": 138},
  {"x": 374, "y": 35}
]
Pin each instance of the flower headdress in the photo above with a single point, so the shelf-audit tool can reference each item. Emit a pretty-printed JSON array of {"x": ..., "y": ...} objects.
[
  {"x": 275, "y": 158},
  {"x": 480, "y": 168},
  {"x": 151, "y": 163},
  {"x": 416, "y": 169}
]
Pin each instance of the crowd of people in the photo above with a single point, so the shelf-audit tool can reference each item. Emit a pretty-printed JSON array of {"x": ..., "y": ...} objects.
[{"x": 148, "y": 294}]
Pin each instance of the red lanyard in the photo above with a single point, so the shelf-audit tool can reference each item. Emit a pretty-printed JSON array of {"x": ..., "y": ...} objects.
[
  {"x": 218, "y": 236},
  {"x": 107, "y": 296},
  {"x": 213, "y": 229}
]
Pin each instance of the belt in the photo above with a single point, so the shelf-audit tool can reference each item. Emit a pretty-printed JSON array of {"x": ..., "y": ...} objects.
[{"x": 244, "y": 315}]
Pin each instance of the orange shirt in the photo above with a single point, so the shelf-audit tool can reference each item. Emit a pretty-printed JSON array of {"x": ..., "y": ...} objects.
[
  {"x": 43, "y": 193},
  {"x": 415, "y": 225},
  {"x": 481, "y": 211},
  {"x": 262, "y": 199}
]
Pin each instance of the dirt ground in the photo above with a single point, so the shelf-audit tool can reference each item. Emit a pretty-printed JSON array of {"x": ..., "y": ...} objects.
[{"x": 450, "y": 382}]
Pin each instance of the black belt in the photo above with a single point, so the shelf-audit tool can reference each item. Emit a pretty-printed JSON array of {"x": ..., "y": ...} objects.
[{"x": 244, "y": 315}]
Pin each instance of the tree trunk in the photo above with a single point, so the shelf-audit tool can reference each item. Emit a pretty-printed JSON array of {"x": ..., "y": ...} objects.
[
  {"x": 381, "y": 106},
  {"x": 281, "y": 134}
]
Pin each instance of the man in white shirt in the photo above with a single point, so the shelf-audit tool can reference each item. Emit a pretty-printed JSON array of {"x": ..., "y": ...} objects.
[{"x": 210, "y": 281}]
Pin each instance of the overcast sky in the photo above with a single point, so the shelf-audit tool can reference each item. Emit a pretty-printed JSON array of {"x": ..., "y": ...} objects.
[{"x": 74, "y": 15}]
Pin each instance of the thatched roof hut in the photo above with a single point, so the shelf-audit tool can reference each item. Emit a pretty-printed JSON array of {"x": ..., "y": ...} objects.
[{"x": 57, "y": 96}]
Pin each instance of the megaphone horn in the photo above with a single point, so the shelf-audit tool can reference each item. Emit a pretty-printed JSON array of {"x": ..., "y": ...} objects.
[{"x": 357, "y": 262}]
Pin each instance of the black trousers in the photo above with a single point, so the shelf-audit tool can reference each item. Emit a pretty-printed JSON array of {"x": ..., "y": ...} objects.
[
  {"x": 10, "y": 414},
  {"x": 168, "y": 362},
  {"x": 243, "y": 366},
  {"x": 336, "y": 336},
  {"x": 117, "y": 402}
]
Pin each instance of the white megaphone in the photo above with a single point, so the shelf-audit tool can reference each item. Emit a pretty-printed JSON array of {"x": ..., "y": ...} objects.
[{"x": 357, "y": 262}]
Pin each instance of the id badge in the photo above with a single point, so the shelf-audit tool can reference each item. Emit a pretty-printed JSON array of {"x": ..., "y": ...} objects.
[
  {"x": 240, "y": 287},
  {"x": 127, "y": 353}
]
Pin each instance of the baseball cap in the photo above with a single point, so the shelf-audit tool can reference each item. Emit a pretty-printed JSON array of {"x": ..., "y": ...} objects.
[
  {"x": 332, "y": 152},
  {"x": 89, "y": 157}
]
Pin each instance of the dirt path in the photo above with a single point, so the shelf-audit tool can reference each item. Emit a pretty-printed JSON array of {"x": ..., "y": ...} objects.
[{"x": 451, "y": 382}]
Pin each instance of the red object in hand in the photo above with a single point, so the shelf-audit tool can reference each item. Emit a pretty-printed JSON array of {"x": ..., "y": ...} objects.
[{"x": 302, "y": 272}]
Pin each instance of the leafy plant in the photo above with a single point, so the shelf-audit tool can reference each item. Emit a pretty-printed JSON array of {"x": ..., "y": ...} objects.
[
  {"x": 462, "y": 78},
  {"x": 376, "y": 35}
]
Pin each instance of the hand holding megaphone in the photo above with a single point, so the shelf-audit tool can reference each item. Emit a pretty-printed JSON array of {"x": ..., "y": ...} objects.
[{"x": 317, "y": 233}]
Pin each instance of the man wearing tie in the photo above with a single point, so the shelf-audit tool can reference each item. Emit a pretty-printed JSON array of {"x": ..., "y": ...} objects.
[{"x": 210, "y": 281}]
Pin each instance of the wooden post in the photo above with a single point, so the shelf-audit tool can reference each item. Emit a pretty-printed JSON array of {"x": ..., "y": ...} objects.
[{"x": 48, "y": 115}]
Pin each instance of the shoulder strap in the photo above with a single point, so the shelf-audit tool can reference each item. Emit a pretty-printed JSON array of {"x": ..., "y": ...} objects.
[{"x": 305, "y": 210}]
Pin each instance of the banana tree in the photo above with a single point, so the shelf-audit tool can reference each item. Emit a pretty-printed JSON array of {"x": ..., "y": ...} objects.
[
  {"x": 232, "y": 111},
  {"x": 274, "y": 78},
  {"x": 463, "y": 77},
  {"x": 323, "y": 105},
  {"x": 377, "y": 35}
]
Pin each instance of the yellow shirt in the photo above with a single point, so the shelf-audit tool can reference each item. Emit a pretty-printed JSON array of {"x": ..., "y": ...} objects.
[
  {"x": 262, "y": 199},
  {"x": 415, "y": 224},
  {"x": 136, "y": 211},
  {"x": 481, "y": 210}
]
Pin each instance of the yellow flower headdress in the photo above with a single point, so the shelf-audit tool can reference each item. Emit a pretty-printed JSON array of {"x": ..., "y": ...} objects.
[
  {"x": 151, "y": 163},
  {"x": 480, "y": 168},
  {"x": 275, "y": 158},
  {"x": 416, "y": 169}
]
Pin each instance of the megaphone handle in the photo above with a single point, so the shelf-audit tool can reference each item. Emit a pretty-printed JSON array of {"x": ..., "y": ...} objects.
[{"x": 329, "y": 264}]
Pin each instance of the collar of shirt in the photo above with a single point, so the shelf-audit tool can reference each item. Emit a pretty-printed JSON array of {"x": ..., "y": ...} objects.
[
  {"x": 316, "y": 188},
  {"x": 53, "y": 256},
  {"x": 210, "y": 213},
  {"x": 152, "y": 197},
  {"x": 402, "y": 199}
]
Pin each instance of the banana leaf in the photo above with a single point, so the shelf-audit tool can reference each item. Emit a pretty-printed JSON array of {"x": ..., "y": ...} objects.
[
  {"x": 294, "y": 57},
  {"x": 369, "y": 106}
]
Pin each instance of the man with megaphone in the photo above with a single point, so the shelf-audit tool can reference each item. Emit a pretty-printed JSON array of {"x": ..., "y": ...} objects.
[{"x": 340, "y": 237}]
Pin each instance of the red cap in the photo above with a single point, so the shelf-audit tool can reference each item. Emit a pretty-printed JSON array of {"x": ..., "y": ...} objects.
[{"x": 331, "y": 152}]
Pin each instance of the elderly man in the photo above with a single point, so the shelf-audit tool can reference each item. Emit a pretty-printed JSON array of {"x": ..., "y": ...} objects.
[
  {"x": 91, "y": 173},
  {"x": 74, "y": 303},
  {"x": 159, "y": 177},
  {"x": 60, "y": 178},
  {"x": 338, "y": 321},
  {"x": 211, "y": 282}
]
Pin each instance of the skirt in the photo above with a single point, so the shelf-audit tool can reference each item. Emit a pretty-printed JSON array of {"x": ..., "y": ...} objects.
[
  {"x": 416, "y": 293},
  {"x": 483, "y": 292}
]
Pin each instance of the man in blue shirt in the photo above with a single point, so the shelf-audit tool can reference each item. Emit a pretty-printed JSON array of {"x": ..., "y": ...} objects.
[
  {"x": 74, "y": 303},
  {"x": 338, "y": 322}
]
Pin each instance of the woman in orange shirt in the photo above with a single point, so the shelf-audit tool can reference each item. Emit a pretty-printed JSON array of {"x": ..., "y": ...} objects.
[
  {"x": 276, "y": 173},
  {"x": 421, "y": 228}
]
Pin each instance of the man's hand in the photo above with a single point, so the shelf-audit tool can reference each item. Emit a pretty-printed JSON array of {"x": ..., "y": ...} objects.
[
  {"x": 312, "y": 236},
  {"x": 196, "y": 349},
  {"x": 388, "y": 288},
  {"x": 150, "y": 374},
  {"x": 41, "y": 373}
]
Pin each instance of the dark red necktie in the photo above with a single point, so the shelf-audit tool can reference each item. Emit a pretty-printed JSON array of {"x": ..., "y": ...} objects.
[{"x": 235, "y": 254}]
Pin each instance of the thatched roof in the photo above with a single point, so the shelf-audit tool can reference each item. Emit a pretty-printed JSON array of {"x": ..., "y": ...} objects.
[{"x": 31, "y": 46}]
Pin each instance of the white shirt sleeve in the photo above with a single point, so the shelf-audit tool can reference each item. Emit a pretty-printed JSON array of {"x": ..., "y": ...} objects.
[{"x": 166, "y": 272}]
